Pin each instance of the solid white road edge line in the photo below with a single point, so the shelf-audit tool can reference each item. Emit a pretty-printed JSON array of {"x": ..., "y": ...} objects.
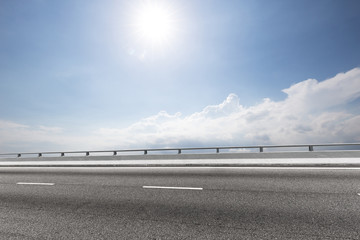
[
  {"x": 178, "y": 188},
  {"x": 295, "y": 168},
  {"x": 33, "y": 183}
]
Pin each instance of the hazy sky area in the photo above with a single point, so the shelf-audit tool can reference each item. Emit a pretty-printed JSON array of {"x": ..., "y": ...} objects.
[{"x": 103, "y": 74}]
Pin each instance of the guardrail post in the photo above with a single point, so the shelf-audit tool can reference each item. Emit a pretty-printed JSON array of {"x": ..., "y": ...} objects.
[
  {"x": 19, "y": 155},
  {"x": 145, "y": 152},
  {"x": 115, "y": 153},
  {"x": 261, "y": 149},
  {"x": 62, "y": 154},
  {"x": 311, "y": 148},
  {"x": 179, "y": 151},
  {"x": 217, "y": 150},
  {"x": 40, "y": 154},
  {"x": 87, "y": 153}
]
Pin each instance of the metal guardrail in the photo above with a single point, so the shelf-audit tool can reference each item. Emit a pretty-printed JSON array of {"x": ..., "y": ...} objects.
[{"x": 261, "y": 148}]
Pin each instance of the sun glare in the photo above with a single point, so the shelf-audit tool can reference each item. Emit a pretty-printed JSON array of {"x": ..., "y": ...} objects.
[{"x": 154, "y": 23}]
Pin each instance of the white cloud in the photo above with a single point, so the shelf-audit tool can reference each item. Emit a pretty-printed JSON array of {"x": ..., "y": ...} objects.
[
  {"x": 10, "y": 125},
  {"x": 51, "y": 129},
  {"x": 19, "y": 137},
  {"x": 313, "y": 112},
  {"x": 311, "y": 95}
]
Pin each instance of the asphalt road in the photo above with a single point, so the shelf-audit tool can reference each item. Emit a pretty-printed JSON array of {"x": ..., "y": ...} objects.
[{"x": 179, "y": 203}]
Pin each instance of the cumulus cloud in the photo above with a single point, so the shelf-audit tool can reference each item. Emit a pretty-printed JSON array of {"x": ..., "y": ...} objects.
[{"x": 312, "y": 112}]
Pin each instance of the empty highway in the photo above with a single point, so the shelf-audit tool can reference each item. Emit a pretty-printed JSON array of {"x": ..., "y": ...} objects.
[{"x": 179, "y": 203}]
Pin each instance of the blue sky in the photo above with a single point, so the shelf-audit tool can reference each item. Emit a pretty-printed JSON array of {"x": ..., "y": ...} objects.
[{"x": 76, "y": 71}]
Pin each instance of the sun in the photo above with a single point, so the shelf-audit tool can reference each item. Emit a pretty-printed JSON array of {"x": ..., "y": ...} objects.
[{"x": 154, "y": 23}]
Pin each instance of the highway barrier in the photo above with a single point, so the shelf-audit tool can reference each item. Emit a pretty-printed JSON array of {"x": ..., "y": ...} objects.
[{"x": 333, "y": 149}]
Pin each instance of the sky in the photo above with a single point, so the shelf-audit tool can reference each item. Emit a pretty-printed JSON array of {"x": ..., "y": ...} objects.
[{"x": 112, "y": 74}]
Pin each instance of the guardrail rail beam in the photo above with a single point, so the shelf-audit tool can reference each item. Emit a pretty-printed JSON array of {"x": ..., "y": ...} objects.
[{"x": 180, "y": 150}]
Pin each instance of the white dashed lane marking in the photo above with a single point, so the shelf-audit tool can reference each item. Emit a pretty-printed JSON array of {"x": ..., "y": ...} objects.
[
  {"x": 35, "y": 183},
  {"x": 177, "y": 188}
]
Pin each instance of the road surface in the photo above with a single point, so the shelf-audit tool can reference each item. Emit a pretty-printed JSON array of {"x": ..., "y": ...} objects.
[{"x": 179, "y": 203}]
